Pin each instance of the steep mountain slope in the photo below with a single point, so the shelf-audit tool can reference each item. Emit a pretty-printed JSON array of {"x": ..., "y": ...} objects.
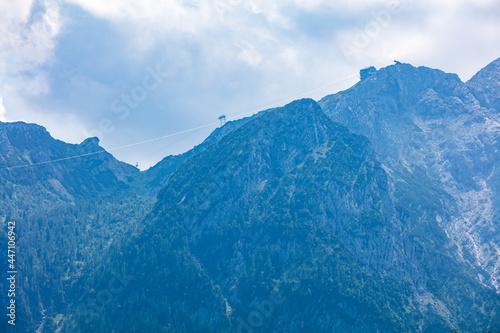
[
  {"x": 158, "y": 175},
  {"x": 288, "y": 223},
  {"x": 67, "y": 213},
  {"x": 432, "y": 134},
  {"x": 23, "y": 144},
  {"x": 374, "y": 210},
  {"x": 486, "y": 85}
]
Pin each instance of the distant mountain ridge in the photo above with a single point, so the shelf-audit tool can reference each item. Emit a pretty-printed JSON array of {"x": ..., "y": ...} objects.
[
  {"x": 59, "y": 203},
  {"x": 60, "y": 190},
  {"x": 428, "y": 122},
  {"x": 372, "y": 210},
  {"x": 24, "y": 144}
]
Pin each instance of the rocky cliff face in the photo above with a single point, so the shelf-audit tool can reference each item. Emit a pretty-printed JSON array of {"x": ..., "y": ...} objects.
[
  {"x": 95, "y": 173},
  {"x": 292, "y": 224},
  {"x": 486, "y": 85},
  {"x": 67, "y": 208},
  {"x": 427, "y": 123},
  {"x": 374, "y": 210},
  {"x": 158, "y": 175},
  {"x": 65, "y": 211}
]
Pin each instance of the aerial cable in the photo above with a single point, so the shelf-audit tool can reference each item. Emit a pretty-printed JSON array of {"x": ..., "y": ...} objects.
[{"x": 235, "y": 117}]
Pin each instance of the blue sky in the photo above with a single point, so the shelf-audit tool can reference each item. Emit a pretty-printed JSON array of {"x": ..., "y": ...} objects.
[{"x": 129, "y": 71}]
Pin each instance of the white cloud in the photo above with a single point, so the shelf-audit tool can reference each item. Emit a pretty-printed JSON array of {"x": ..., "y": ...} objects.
[
  {"x": 341, "y": 4},
  {"x": 157, "y": 15},
  {"x": 3, "y": 112},
  {"x": 231, "y": 55},
  {"x": 248, "y": 53},
  {"x": 11, "y": 14},
  {"x": 455, "y": 36},
  {"x": 26, "y": 42},
  {"x": 225, "y": 23},
  {"x": 66, "y": 126},
  {"x": 28, "y": 38},
  {"x": 14, "y": 10}
]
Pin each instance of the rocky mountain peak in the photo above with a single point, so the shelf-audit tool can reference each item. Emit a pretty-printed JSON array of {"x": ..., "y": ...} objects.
[
  {"x": 90, "y": 141},
  {"x": 367, "y": 72},
  {"x": 486, "y": 85},
  {"x": 490, "y": 72},
  {"x": 20, "y": 133},
  {"x": 422, "y": 120},
  {"x": 374, "y": 210},
  {"x": 22, "y": 126},
  {"x": 91, "y": 145},
  {"x": 409, "y": 80}
]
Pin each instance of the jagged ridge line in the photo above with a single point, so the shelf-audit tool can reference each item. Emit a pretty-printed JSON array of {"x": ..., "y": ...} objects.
[
  {"x": 108, "y": 150},
  {"x": 178, "y": 133}
]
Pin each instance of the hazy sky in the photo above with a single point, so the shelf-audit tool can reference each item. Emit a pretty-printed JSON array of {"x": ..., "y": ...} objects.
[{"x": 128, "y": 71}]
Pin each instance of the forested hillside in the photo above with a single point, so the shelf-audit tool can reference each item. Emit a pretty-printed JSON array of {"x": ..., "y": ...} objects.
[{"x": 372, "y": 210}]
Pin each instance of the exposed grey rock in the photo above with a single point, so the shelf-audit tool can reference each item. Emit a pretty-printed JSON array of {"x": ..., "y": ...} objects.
[{"x": 427, "y": 122}]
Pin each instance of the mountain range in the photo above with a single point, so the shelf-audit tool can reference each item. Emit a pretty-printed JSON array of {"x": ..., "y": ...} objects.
[{"x": 374, "y": 209}]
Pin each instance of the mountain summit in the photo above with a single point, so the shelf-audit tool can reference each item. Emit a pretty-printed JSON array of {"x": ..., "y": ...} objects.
[
  {"x": 486, "y": 85},
  {"x": 372, "y": 210},
  {"x": 432, "y": 133},
  {"x": 292, "y": 217}
]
